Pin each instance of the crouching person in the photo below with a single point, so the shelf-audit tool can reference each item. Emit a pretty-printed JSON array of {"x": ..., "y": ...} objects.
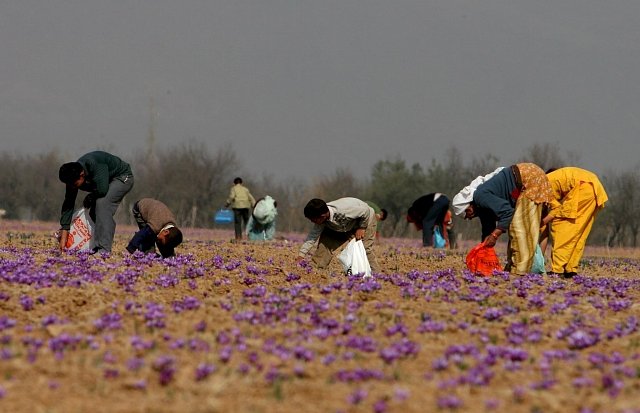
[
  {"x": 262, "y": 222},
  {"x": 157, "y": 226},
  {"x": 335, "y": 223}
]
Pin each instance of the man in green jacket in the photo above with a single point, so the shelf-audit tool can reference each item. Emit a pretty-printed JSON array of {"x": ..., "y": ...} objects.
[{"x": 108, "y": 179}]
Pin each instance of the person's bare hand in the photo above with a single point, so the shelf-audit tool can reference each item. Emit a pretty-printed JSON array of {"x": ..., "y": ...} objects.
[
  {"x": 490, "y": 241},
  {"x": 492, "y": 238},
  {"x": 360, "y": 233},
  {"x": 64, "y": 235}
]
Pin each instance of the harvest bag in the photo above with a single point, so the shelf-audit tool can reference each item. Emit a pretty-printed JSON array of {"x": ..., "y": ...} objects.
[
  {"x": 223, "y": 216},
  {"x": 538, "y": 262},
  {"x": 483, "y": 260},
  {"x": 81, "y": 231},
  {"x": 265, "y": 211},
  {"x": 354, "y": 259},
  {"x": 438, "y": 239}
]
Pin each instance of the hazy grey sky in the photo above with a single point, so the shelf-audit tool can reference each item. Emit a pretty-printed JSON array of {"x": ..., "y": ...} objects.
[{"x": 304, "y": 86}]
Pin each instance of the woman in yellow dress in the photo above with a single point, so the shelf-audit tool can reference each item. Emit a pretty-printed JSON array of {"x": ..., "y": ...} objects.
[{"x": 578, "y": 197}]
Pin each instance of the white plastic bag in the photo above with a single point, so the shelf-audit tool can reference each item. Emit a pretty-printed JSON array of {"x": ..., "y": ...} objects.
[
  {"x": 81, "y": 231},
  {"x": 354, "y": 259}
]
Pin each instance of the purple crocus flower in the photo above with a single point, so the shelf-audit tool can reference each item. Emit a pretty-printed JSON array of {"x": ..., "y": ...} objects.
[
  {"x": 492, "y": 314},
  {"x": 26, "y": 302},
  {"x": 6, "y": 322},
  {"x": 204, "y": 370},
  {"x": 580, "y": 339},
  {"x": 357, "y": 396},
  {"x": 154, "y": 315},
  {"x": 380, "y": 406},
  {"x": 109, "y": 321},
  {"x": 111, "y": 373},
  {"x": 449, "y": 402},
  {"x": 135, "y": 363},
  {"x": 619, "y": 304},
  {"x": 165, "y": 366}
]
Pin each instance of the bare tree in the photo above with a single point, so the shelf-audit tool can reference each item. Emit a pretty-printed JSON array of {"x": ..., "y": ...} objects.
[
  {"x": 623, "y": 208},
  {"x": 190, "y": 179},
  {"x": 29, "y": 186},
  {"x": 548, "y": 155},
  {"x": 394, "y": 187},
  {"x": 341, "y": 183}
]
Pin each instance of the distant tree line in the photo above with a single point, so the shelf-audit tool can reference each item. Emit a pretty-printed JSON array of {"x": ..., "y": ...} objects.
[{"x": 194, "y": 182}]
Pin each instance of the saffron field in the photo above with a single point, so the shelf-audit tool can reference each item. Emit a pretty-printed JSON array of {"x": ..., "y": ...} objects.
[{"x": 240, "y": 327}]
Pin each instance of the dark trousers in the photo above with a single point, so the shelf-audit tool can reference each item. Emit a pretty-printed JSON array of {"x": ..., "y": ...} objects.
[
  {"x": 435, "y": 216},
  {"x": 240, "y": 215}
]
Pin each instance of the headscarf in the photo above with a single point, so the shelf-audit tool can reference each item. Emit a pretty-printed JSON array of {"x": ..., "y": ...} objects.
[{"x": 463, "y": 198}]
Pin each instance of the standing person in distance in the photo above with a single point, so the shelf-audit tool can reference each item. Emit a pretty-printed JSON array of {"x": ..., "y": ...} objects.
[
  {"x": 157, "y": 226},
  {"x": 241, "y": 201},
  {"x": 108, "y": 179}
]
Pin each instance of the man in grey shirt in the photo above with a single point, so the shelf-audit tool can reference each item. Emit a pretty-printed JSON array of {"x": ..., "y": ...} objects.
[{"x": 335, "y": 223}]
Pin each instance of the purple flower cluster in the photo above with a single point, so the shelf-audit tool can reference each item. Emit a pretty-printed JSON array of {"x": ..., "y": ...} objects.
[
  {"x": 204, "y": 370},
  {"x": 579, "y": 336},
  {"x": 358, "y": 375},
  {"x": 186, "y": 304},
  {"x": 165, "y": 365},
  {"x": 154, "y": 315},
  {"x": 6, "y": 322},
  {"x": 109, "y": 321},
  {"x": 400, "y": 349},
  {"x": 255, "y": 318}
]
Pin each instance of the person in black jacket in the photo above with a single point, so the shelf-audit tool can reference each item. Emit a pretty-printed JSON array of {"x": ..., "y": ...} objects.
[{"x": 426, "y": 213}]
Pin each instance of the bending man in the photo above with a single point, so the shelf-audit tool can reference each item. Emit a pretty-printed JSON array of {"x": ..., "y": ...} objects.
[
  {"x": 428, "y": 212},
  {"x": 108, "y": 179},
  {"x": 335, "y": 223},
  {"x": 511, "y": 200},
  {"x": 157, "y": 226}
]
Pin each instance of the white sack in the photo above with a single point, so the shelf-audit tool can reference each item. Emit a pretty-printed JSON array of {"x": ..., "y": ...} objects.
[
  {"x": 81, "y": 231},
  {"x": 354, "y": 259}
]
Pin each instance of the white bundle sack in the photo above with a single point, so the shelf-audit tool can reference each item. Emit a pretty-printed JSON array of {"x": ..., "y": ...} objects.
[
  {"x": 354, "y": 259},
  {"x": 265, "y": 210},
  {"x": 81, "y": 231}
]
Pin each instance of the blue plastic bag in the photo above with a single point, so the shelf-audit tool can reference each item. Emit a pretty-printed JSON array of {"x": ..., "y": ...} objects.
[
  {"x": 438, "y": 239},
  {"x": 538, "y": 262},
  {"x": 223, "y": 216}
]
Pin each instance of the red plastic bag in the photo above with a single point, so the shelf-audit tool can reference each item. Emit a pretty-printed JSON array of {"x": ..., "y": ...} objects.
[{"x": 483, "y": 260}]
